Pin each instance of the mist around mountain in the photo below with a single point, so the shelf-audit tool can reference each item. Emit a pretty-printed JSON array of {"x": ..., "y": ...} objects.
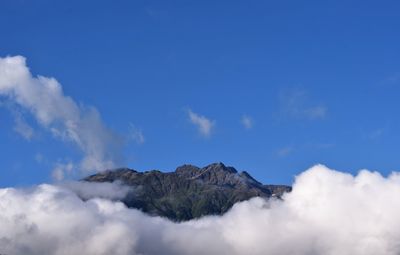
[
  {"x": 327, "y": 212},
  {"x": 189, "y": 192}
]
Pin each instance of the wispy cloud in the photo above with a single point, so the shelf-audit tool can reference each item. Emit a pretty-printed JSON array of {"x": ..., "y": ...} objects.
[
  {"x": 315, "y": 112},
  {"x": 44, "y": 98},
  {"x": 392, "y": 79},
  {"x": 376, "y": 134},
  {"x": 22, "y": 127},
  {"x": 296, "y": 103},
  {"x": 136, "y": 134},
  {"x": 39, "y": 158},
  {"x": 61, "y": 170},
  {"x": 247, "y": 122},
  {"x": 204, "y": 125},
  {"x": 107, "y": 190},
  {"x": 284, "y": 151}
]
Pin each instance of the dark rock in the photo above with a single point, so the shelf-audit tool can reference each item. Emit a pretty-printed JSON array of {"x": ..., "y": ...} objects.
[{"x": 189, "y": 192}]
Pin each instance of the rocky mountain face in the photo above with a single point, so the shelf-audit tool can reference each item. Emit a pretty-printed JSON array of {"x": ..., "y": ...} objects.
[{"x": 189, "y": 192}]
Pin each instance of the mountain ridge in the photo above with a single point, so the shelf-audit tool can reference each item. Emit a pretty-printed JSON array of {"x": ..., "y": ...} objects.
[{"x": 190, "y": 191}]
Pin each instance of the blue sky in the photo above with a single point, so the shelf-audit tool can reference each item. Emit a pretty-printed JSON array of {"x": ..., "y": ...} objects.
[{"x": 316, "y": 81}]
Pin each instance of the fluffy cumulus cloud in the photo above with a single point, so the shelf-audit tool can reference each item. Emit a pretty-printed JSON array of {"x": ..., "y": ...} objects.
[
  {"x": 44, "y": 98},
  {"x": 203, "y": 124},
  {"x": 328, "y": 212}
]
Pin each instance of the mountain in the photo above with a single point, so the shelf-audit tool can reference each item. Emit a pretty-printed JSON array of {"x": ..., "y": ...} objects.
[{"x": 189, "y": 192}]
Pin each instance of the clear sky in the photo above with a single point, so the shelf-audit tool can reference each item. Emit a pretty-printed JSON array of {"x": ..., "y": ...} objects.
[{"x": 271, "y": 87}]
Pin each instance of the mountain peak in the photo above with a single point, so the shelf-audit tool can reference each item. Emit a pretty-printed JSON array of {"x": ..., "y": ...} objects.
[
  {"x": 187, "y": 170},
  {"x": 219, "y": 166},
  {"x": 248, "y": 177},
  {"x": 191, "y": 171},
  {"x": 189, "y": 192}
]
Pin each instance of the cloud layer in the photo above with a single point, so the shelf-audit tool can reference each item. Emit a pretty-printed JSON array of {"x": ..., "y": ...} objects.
[
  {"x": 328, "y": 212},
  {"x": 44, "y": 98}
]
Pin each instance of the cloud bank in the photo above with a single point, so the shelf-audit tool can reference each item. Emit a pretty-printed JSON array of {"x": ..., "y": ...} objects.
[
  {"x": 44, "y": 98},
  {"x": 328, "y": 212}
]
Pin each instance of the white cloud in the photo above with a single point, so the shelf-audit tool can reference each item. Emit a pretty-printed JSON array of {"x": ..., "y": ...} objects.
[
  {"x": 57, "y": 174},
  {"x": 22, "y": 127},
  {"x": 136, "y": 134},
  {"x": 328, "y": 212},
  {"x": 61, "y": 170},
  {"x": 89, "y": 190},
  {"x": 297, "y": 104},
  {"x": 247, "y": 122},
  {"x": 203, "y": 124},
  {"x": 61, "y": 115}
]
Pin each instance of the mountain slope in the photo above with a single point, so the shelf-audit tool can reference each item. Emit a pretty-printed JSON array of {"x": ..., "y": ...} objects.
[{"x": 189, "y": 192}]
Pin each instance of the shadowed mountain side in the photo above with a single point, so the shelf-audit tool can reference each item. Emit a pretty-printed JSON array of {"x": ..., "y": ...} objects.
[{"x": 189, "y": 192}]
